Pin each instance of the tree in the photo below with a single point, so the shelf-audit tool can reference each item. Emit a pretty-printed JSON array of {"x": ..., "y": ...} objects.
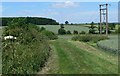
[
  {"x": 112, "y": 26},
  {"x": 66, "y": 22},
  {"x": 92, "y": 30},
  {"x": 82, "y": 32},
  {"x": 68, "y": 32},
  {"x": 42, "y": 29},
  {"x": 61, "y": 31},
  {"x": 32, "y": 20},
  {"x": 75, "y": 32},
  {"x": 61, "y": 26}
]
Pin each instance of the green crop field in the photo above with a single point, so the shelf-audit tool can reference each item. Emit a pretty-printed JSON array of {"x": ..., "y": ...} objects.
[
  {"x": 54, "y": 28},
  {"x": 111, "y": 44}
]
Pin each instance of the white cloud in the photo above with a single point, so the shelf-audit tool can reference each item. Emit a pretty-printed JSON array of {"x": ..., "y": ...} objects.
[{"x": 67, "y": 4}]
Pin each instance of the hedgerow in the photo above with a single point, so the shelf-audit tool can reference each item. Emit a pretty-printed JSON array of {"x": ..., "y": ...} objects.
[
  {"x": 49, "y": 34},
  {"x": 88, "y": 38},
  {"x": 28, "y": 53}
]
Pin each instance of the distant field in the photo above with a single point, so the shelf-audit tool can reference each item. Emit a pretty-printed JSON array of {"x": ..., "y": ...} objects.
[{"x": 54, "y": 28}]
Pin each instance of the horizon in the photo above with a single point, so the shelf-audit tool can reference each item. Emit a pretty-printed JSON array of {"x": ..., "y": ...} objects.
[{"x": 74, "y": 12}]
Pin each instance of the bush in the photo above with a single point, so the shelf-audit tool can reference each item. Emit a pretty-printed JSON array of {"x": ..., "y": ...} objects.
[
  {"x": 85, "y": 38},
  {"x": 75, "y": 32},
  {"x": 61, "y": 31},
  {"x": 49, "y": 34},
  {"x": 42, "y": 29},
  {"x": 88, "y": 38},
  {"x": 117, "y": 30},
  {"x": 91, "y": 31},
  {"x": 82, "y": 32},
  {"x": 68, "y": 32},
  {"x": 109, "y": 32},
  {"x": 28, "y": 53}
]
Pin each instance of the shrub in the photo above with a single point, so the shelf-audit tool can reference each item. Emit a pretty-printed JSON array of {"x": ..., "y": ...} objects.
[
  {"x": 28, "y": 53},
  {"x": 68, "y": 32},
  {"x": 82, "y": 32},
  {"x": 61, "y": 31},
  {"x": 84, "y": 38},
  {"x": 87, "y": 38},
  {"x": 91, "y": 31},
  {"x": 75, "y": 32},
  {"x": 49, "y": 34},
  {"x": 109, "y": 31},
  {"x": 42, "y": 29},
  {"x": 117, "y": 30}
]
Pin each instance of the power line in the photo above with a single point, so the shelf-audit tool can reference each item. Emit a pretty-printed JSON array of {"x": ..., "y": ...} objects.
[{"x": 103, "y": 16}]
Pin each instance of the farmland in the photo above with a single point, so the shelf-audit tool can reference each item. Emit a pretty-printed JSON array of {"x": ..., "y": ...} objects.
[
  {"x": 111, "y": 44},
  {"x": 54, "y": 28},
  {"x": 66, "y": 37},
  {"x": 74, "y": 57}
]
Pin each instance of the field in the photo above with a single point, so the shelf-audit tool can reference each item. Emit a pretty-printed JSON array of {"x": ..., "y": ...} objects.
[
  {"x": 54, "y": 28},
  {"x": 111, "y": 44},
  {"x": 74, "y": 57}
]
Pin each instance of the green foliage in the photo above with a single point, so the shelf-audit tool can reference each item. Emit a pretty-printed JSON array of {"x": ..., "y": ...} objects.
[
  {"x": 92, "y": 28},
  {"x": 42, "y": 29},
  {"x": 112, "y": 26},
  {"x": 109, "y": 31},
  {"x": 66, "y": 22},
  {"x": 49, "y": 34},
  {"x": 32, "y": 20},
  {"x": 117, "y": 30},
  {"x": 75, "y": 32},
  {"x": 61, "y": 26},
  {"x": 28, "y": 53},
  {"x": 68, "y": 32},
  {"x": 92, "y": 31},
  {"x": 88, "y": 38},
  {"x": 61, "y": 31},
  {"x": 82, "y": 32}
]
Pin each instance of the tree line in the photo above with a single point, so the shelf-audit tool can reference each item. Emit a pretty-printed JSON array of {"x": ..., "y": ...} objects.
[{"x": 32, "y": 20}]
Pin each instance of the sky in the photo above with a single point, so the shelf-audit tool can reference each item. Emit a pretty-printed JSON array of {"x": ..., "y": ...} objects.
[{"x": 74, "y": 12}]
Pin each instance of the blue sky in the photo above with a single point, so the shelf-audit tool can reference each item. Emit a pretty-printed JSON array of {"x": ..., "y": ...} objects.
[{"x": 74, "y": 12}]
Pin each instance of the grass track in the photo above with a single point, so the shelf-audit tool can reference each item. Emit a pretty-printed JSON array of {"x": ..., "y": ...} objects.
[{"x": 74, "y": 58}]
